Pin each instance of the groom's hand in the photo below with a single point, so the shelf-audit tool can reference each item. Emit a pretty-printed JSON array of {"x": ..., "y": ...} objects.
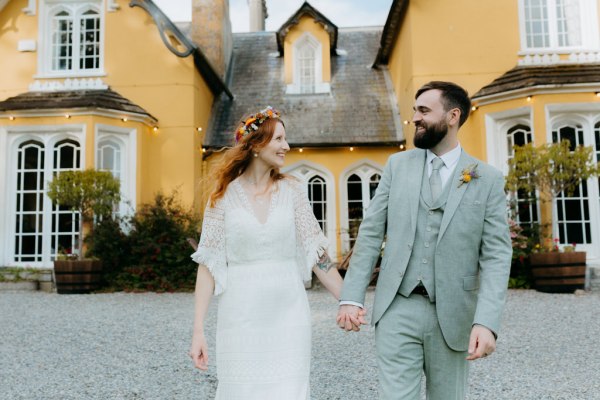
[
  {"x": 351, "y": 317},
  {"x": 482, "y": 342}
]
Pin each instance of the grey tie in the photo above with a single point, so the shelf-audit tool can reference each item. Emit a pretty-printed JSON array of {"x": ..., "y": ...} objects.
[{"x": 435, "y": 180}]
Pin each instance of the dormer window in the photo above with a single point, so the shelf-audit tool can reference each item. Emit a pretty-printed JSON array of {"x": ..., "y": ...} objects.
[
  {"x": 307, "y": 41},
  {"x": 74, "y": 39},
  {"x": 307, "y": 64}
]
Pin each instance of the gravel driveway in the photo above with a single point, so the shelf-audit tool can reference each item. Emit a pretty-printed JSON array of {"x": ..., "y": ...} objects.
[{"x": 134, "y": 346}]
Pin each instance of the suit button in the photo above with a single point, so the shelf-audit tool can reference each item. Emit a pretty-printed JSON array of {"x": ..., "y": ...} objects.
[
  {"x": 430, "y": 212},
  {"x": 424, "y": 261},
  {"x": 426, "y": 244},
  {"x": 428, "y": 229}
]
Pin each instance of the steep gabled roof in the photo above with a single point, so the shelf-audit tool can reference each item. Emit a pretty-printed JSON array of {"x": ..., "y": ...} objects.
[
  {"x": 307, "y": 9},
  {"x": 529, "y": 77},
  {"x": 357, "y": 111},
  {"x": 103, "y": 99},
  {"x": 390, "y": 33}
]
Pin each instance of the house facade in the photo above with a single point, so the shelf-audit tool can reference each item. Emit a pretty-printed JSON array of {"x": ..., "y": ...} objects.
[
  {"x": 106, "y": 84},
  {"x": 115, "y": 85},
  {"x": 532, "y": 68}
]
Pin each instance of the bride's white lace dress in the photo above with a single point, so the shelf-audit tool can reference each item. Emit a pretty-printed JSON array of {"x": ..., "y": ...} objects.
[{"x": 263, "y": 322}]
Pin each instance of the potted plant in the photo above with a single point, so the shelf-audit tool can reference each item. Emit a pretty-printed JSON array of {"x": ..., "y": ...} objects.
[
  {"x": 93, "y": 194},
  {"x": 550, "y": 170}
]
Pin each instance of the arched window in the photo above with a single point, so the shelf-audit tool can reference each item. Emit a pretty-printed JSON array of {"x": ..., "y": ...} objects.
[
  {"x": 317, "y": 195},
  {"x": 29, "y": 202},
  {"x": 305, "y": 63},
  {"x": 62, "y": 41},
  {"x": 109, "y": 158},
  {"x": 89, "y": 40},
  {"x": 573, "y": 212},
  {"x": 75, "y": 39},
  {"x": 524, "y": 205},
  {"x": 358, "y": 188},
  {"x": 65, "y": 223}
]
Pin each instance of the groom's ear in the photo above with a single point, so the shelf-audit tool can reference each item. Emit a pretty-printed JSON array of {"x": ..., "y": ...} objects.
[{"x": 454, "y": 116}]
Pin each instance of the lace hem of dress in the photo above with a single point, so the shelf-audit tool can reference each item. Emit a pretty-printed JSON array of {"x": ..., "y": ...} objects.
[{"x": 216, "y": 266}]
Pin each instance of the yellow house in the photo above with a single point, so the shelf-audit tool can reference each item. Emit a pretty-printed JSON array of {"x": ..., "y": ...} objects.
[
  {"x": 108, "y": 84},
  {"x": 342, "y": 121},
  {"x": 533, "y": 70}
]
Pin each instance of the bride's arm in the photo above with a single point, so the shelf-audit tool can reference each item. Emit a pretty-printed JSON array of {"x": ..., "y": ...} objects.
[
  {"x": 205, "y": 285},
  {"x": 328, "y": 275}
]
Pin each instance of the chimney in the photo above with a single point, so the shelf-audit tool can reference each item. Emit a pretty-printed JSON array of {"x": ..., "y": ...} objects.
[
  {"x": 211, "y": 31},
  {"x": 258, "y": 14}
]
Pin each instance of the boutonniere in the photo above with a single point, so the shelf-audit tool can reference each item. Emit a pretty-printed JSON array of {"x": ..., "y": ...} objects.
[{"x": 468, "y": 174}]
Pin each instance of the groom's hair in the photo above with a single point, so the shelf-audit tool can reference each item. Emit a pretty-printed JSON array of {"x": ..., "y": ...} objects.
[{"x": 453, "y": 96}]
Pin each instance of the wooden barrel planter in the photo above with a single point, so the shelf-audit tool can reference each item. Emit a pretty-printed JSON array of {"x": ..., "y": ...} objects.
[
  {"x": 77, "y": 276},
  {"x": 558, "y": 272}
]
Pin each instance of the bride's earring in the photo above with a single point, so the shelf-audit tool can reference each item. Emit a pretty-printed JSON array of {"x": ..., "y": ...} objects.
[{"x": 255, "y": 154}]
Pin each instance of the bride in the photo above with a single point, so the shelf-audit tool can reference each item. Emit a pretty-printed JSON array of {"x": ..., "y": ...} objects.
[{"x": 260, "y": 240}]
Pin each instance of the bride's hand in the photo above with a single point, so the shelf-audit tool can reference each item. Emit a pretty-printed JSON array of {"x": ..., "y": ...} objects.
[{"x": 199, "y": 352}]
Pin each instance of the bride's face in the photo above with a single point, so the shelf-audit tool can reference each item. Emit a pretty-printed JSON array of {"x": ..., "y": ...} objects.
[{"x": 274, "y": 152}]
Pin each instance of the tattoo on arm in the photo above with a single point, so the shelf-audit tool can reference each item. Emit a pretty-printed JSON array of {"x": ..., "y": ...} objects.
[{"x": 324, "y": 263}]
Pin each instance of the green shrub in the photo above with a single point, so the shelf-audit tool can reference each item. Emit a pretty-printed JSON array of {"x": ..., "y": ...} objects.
[{"x": 154, "y": 255}]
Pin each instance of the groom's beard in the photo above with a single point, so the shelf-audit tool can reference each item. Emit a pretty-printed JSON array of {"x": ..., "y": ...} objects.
[{"x": 431, "y": 136}]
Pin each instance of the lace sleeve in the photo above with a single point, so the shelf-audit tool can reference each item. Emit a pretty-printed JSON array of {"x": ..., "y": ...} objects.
[
  {"x": 211, "y": 250},
  {"x": 311, "y": 243}
]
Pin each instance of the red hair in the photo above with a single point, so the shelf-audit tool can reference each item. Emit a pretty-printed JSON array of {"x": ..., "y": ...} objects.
[{"x": 236, "y": 160}]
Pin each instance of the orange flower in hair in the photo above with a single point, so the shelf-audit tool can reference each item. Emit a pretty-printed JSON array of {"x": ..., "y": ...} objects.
[{"x": 252, "y": 123}]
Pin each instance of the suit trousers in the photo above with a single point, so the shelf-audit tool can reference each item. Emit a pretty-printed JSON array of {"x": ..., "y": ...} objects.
[{"x": 409, "y": 341}]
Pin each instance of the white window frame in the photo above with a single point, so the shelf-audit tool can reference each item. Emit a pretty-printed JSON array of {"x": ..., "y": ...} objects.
[
  {"x": 588, "y": 15},
  {"x": 586, "y": 115},
  {"x": 364, "y": 169},
  {"x": 76, "y": 8},
  {"x": 305, "y": 170},
  {"x": 10, "y": 140},
  {"x": 127, "y": 141},
  {"x": 307, "y": 39}
]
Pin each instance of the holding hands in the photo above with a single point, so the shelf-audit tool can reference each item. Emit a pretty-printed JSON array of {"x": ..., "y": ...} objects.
[{"x": 351, "y": 317}]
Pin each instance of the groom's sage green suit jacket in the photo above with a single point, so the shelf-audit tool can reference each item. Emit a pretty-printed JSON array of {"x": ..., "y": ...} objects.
[{"x": 473, "y": 253}]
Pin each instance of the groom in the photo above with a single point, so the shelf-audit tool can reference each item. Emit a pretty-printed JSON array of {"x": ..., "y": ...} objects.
[{"x": 444, "y": 273}]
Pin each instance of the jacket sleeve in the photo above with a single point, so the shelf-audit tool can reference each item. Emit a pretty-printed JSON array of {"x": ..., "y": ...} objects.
[{"x": 494, "y": 259}]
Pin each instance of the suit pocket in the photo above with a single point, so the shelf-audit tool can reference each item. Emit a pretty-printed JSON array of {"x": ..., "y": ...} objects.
[{"x": 471, "y": 282}]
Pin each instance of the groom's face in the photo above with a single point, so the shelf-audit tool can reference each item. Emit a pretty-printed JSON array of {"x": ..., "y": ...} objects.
[{"x": 430, "y": 119}]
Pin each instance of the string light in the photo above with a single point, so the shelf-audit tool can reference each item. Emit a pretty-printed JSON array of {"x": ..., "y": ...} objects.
[
  {"x": 300, "y": 149},
  {"x": 351, "y": 148},
  {"x": 199, "y": 129},
  {"x": 406, "y": 122},
  {"x": 401, "y": 147},
  {"x": 12, "y": 117},
  {"x": 529, "y": 98},
  {"x": 124, "y": 119},
  {"x": 474, "y": 108},
  {"x": 67, "y": 116},
  {"x": 155, "y": 128}
]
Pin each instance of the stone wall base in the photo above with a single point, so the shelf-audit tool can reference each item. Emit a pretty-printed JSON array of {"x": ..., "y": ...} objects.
[{"x": 12, "y": 278}]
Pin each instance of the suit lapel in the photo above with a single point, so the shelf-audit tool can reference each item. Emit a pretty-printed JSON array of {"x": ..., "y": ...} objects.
[
  {"x": 415, "y": 180},
  {"x": 456, "y": 193}
]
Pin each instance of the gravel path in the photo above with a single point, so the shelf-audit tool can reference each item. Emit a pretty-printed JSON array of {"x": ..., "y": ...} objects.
[{"x": 134, "y": 346}]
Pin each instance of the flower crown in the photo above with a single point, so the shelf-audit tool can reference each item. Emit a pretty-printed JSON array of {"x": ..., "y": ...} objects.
[{"x": 252, "y": 123}]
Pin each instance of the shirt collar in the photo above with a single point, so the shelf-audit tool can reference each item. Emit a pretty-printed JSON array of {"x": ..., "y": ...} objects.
[{"x": 450, "y": 158}]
